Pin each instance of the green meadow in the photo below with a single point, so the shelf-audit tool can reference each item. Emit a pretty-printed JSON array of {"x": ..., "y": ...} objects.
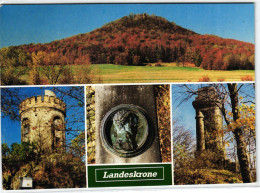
[
  {"x": 169, "y": 72},
  {"x": 110, "y": 73}
]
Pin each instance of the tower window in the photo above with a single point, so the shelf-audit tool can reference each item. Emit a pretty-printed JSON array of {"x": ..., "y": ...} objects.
[
  {"x": 57, "y": 131},
  {"x": 26, "y": 128},
  {"x": 57, "y": 123}
]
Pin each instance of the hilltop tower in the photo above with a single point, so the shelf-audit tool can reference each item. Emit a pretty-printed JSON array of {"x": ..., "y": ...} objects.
[
  {"x": 43, "y": 120},
  {"x": 209, "y": 122}
]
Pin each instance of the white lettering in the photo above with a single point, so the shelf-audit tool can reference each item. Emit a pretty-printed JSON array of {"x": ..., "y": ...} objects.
[
  {"x": 105, "y": 173},
  {"x": 136, "y": 174},
  {"x": 121, "y": 175}
]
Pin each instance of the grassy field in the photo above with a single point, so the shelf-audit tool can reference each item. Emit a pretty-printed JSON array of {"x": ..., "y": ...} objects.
[
  {"x": 110, "y": 73},
  {"x": 169, "y": 72}
]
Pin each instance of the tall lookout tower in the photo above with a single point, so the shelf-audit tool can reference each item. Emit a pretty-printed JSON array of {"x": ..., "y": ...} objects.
[
  {"x": 43, "y": 121},
  {"x": 209, "y": 122}
]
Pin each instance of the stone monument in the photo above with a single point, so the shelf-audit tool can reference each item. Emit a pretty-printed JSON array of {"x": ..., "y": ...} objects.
[{"x": 126, "y": 125}]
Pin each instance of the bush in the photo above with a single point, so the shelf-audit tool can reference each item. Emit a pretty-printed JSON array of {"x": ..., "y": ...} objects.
[
  {"x": 10, "y": 76},
  {"x": 221, "y": 80},
  {"x": 49, "y": 170},
  {"x": 60, "y": 171},
  {"x": 205, "y": 176},
  {"x": 203, "y": 168},
  {"x": 204, "y": 79},
  {"x": 159, "y": 63},
  {"x": 247, "y": 78}
]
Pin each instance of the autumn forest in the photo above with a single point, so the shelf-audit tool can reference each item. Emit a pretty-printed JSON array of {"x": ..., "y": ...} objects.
[{"x": 134, "y": 40}]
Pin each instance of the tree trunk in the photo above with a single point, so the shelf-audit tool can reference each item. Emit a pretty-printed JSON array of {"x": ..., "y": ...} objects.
[{"x": 238, "y": 132}]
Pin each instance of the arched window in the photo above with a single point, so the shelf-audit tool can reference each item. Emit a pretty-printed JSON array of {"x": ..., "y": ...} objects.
[
  {"x": 26, "y": 129},
  {"x": 57, "y": 131},
  {"x": 57, "y": 123}
]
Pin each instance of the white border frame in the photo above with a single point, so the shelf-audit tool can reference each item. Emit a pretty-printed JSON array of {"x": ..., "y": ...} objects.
[{"x": 219, "y": 187}]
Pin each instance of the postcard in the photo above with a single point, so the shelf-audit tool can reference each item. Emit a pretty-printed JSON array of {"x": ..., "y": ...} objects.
[{"x": 101, "y": 95}]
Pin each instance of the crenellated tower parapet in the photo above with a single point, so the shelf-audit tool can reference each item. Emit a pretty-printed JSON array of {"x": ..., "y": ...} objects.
[{"x": 45, "y": 101}]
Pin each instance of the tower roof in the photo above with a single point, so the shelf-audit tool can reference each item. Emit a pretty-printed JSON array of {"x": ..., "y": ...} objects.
[{"x": 49, "y": 93}]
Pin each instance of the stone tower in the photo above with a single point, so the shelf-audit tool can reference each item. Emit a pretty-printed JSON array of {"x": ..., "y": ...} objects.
[
  {"x": 43, "y": 121},
  {"x": 209, "y": 122}
]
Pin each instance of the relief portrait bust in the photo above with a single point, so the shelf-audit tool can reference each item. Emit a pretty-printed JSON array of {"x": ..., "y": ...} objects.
[{"x": 126, "y": 130}]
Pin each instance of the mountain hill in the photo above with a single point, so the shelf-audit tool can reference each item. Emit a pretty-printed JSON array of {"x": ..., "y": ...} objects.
[
  {"x": 144, "y": 21},
  {"x": 140, "y": 39}
]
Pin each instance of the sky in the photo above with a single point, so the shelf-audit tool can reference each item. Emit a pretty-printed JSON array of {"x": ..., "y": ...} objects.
[
  {"x": 11, "y": 130},
  {"x": 24, "y": 24}
]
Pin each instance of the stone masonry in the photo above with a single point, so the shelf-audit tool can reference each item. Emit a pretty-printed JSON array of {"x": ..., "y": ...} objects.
[
  {"x": 209, "y": 122},
  {"x": 43, "y": 120}
]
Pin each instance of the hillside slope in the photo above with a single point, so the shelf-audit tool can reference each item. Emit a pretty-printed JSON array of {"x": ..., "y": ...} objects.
[{"x": 142, "y": 38}]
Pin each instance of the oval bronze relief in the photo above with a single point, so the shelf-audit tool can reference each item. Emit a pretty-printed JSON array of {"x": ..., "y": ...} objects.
[{"x": 126, "y": 130}]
